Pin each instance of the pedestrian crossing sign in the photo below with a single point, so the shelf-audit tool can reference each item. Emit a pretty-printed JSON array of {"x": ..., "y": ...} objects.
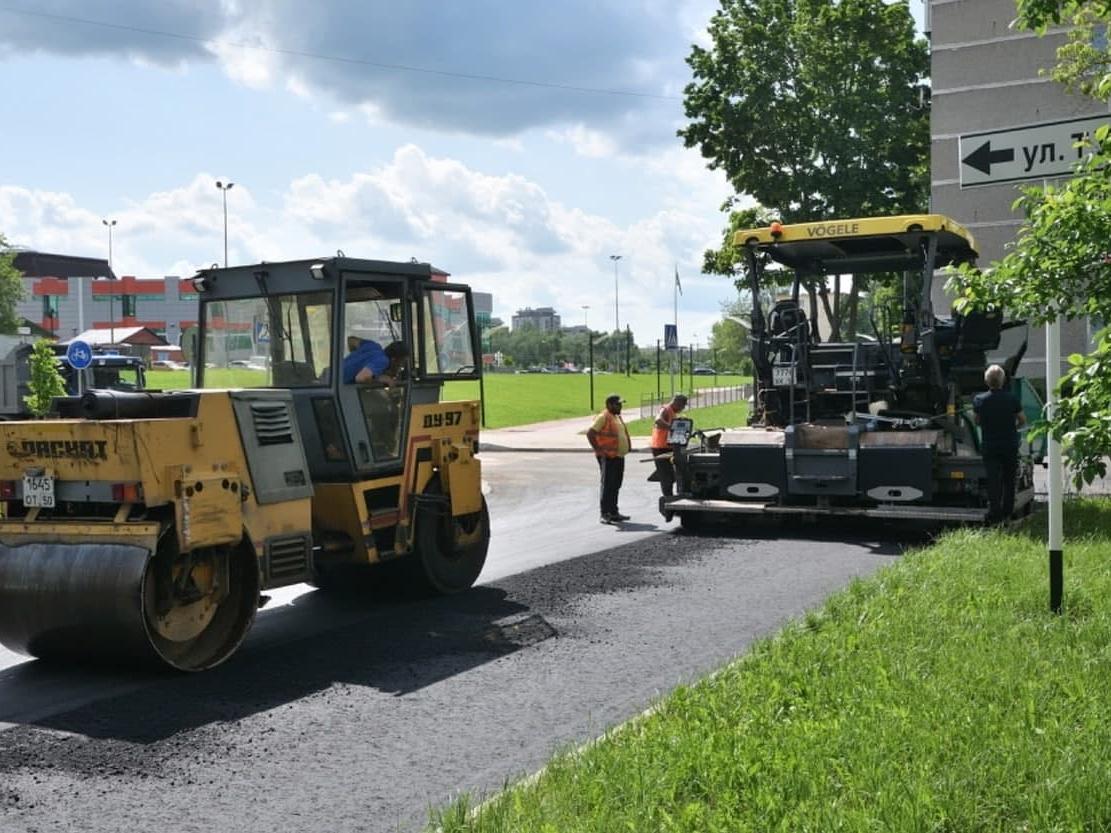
[{"x": 671, "y": 336}]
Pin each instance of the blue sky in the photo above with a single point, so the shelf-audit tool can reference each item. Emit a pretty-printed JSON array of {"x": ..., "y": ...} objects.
[{"x": 131, "y": 110}]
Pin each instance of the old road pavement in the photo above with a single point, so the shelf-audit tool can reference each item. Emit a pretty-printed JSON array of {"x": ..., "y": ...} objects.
[{"x": 359, "y": 714}]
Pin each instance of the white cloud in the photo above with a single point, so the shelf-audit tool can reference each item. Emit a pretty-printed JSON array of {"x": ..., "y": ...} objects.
[
  {"x": 501, "y": 233},
  {"x": 252, "y": 67},
  {"x": 485, "y": 67},
  {"x": 586, "y": 142}
]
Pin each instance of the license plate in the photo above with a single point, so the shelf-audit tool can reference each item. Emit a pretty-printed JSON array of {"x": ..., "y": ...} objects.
[
  {"x": 783, "y": 375},
  {"x": 38, "y": 490}
]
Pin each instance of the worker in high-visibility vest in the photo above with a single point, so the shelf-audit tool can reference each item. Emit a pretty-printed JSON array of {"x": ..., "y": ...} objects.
[
  {"x": 609, "y": 438},
  {"x": 665, "y": 468}
]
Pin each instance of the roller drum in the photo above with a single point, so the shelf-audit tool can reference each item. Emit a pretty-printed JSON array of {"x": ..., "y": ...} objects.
[
  {"x": 94, "y": 602},
  {"x": 61, "y": 600}
]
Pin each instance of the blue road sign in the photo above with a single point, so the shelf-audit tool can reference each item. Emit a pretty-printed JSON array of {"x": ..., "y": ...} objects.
[
  {"x": 671, "y": 337},
  {"x": 79, "y": 355}
]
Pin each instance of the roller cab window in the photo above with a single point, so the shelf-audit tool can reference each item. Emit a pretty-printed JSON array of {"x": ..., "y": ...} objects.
[
  {"x": 274, "y": 341},
  {"x": 448, "y": 348}
]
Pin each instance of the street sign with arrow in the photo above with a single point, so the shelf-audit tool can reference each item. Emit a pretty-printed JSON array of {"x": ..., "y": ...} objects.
[{"x": 1037, "y": 151}]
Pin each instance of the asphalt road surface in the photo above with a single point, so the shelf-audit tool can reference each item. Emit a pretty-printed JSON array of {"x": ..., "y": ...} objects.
[{"x": 355, "y": 713}]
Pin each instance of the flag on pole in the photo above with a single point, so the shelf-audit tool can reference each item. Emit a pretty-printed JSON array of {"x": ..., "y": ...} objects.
[{"x": 678, "y": 285}]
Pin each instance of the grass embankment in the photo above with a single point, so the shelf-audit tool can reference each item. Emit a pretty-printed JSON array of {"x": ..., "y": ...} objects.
[{"x": 938, "y": 695}]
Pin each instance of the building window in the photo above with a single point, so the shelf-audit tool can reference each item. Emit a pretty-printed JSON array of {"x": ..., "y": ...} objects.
[
  {"x": 49, "y": 306},
  {"x": 127, "y": 306}
]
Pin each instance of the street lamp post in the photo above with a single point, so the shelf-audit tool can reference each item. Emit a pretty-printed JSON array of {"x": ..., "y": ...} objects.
[
  {"x": 111, "y": 297},
  {"x": 225, "y": 188},
  {"x": 616, "y": 314},
  {"x": 586, "y": 316}
]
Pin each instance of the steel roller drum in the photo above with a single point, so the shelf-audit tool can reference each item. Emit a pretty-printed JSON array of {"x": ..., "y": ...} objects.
[{"x": 89, "y": 602}]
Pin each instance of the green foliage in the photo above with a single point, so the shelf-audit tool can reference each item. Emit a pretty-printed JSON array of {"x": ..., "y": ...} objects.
[
  {"x": 1083, "y": 63},
  {"x": 529, "y": 347},
  {"x": 939, "y": 695},
  {"x": 730, "y": 341},
  {"x": 816, "y": 108},
  {"x": 1060, "y": 263},
  {"x": 1038, "y": 14},
  {"x": 11, "y": 290},
  {"x": 722, "y": 261},
  {"x": 1083, "y": 422},
  {"x": 45, "y": 382}
]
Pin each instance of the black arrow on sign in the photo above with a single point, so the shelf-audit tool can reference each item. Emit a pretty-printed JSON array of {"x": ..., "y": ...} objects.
[{"x": 984, "y": 157}]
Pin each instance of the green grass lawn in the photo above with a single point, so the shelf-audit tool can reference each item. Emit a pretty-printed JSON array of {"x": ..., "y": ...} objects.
[
  {"x": 215, "y": 377},
  {"x": 731, "y": 415},
  {"x": 511, "y": 398},
  {"x": 518, "y": 399},
  {"x": 939, "y": 695}
]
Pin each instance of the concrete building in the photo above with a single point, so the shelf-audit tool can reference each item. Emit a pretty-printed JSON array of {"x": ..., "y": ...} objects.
[
  {"x": 988, "y": 88},
  {"x": 66, "y": 307},
  {"x": 542, "y": 318},
  {"x": 483, "y": 308}
]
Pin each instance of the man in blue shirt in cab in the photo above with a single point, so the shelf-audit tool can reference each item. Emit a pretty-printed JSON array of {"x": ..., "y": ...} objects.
[{"x": 367, "y": 361}]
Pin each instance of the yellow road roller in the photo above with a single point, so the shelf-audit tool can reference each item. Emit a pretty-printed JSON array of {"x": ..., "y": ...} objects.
[{"x": 314, "y": 445}]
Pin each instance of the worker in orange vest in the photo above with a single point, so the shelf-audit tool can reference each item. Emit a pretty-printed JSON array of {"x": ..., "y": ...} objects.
[
  {"x": 665, "y": 468},
  {"x": 609, "y": 438}
]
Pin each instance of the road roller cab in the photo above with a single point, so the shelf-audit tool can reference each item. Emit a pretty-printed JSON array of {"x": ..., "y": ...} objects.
[{"x": 147, "y": 524}]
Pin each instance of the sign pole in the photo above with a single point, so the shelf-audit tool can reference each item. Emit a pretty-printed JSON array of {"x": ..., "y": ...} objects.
[
  {"x": 590, "y": 358},
  {"x": 659, "y": 390},
  {"x": 675, "y": 319},
  {"x": 1056, "y": 479}
]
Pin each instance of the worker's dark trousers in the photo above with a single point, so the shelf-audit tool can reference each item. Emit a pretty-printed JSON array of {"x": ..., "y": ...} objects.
[
  {"x": 613, "y": 473},
  {"x": 1002, "y": 467},
  {"x": 665, "y": 471}
]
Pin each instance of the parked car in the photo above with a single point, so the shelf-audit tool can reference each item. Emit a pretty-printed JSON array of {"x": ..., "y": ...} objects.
[
  {"x": 704, "y": 371},
  {"x": 168, "y": 364}
]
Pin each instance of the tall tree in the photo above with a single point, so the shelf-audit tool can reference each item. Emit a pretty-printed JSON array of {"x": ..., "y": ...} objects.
[
  {"x": 729, "y": 339},
  {"x": 11, "y": 289},
  {"x": 45, "y": 382},
  {"x": 1061, "y": 261},
  {"x": 817, "y": 108}
]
